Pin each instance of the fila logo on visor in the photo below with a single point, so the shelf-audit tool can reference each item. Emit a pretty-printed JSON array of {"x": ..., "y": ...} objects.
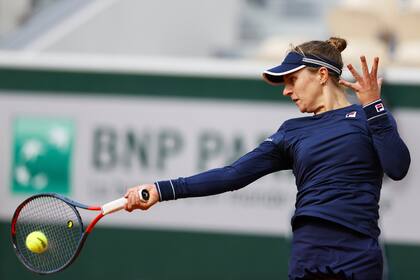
[{"x": 379, "y": 107}]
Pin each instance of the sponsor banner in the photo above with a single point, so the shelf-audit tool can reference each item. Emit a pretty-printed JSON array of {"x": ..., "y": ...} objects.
[
  {"x": 93, "y": 148},
  {"x": 41, "y": 154}
]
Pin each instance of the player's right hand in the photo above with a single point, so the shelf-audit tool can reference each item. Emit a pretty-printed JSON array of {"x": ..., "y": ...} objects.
[{"x": 134, "y": 201}]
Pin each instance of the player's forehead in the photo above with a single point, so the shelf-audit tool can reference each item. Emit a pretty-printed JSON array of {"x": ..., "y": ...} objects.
[{"x": 290, "y": 76}]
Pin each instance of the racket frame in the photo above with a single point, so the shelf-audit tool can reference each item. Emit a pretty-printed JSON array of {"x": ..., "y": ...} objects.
[{"x": 113, "y": 206}]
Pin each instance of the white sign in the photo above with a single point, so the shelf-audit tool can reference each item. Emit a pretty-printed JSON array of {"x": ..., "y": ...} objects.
[{"x": 118, "y": 142}]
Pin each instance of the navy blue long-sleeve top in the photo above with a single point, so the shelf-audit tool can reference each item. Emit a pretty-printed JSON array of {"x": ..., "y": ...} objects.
[{"x": 338, "y": 158}]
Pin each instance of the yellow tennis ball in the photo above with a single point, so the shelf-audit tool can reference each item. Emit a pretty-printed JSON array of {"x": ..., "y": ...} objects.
[{"x": 37, "y": 242}]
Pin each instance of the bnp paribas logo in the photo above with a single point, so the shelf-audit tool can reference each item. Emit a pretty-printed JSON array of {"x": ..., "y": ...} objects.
[{"x": 42, "y": 154}]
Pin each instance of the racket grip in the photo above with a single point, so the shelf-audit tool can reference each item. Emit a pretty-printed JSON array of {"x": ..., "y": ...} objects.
[{"x": 118, "y": 204}]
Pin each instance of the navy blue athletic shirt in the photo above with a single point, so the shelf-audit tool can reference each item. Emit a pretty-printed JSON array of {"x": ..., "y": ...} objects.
[{"x": 338, "y": 158}]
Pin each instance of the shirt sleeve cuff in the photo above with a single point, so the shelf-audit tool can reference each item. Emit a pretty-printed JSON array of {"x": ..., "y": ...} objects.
[
  {"x": 166, "y": 190},
  {"x": 374, "y": 109}
]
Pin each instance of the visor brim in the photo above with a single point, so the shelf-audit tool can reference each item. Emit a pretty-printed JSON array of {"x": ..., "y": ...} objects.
[{"x": 274, "y": 76}]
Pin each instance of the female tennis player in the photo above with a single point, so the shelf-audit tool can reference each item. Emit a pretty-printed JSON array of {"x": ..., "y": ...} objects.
[{"x": 338, "y": 156}]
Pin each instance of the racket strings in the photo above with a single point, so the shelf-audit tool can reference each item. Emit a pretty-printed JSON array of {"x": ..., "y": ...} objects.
[{"x": 61, "y": 225}]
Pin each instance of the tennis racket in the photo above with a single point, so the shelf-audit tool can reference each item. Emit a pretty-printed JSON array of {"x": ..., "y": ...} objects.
[{"x": 57, "y": 219}]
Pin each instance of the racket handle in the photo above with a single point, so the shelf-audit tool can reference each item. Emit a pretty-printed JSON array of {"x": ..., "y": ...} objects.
[{"x": 118, "y": 204}]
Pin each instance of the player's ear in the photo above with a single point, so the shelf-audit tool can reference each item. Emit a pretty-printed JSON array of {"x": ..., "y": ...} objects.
[{"x": 323, "y": 75}]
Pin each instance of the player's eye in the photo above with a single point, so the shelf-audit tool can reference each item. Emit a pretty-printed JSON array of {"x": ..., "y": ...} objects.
[{"x": 290, "y": 80}]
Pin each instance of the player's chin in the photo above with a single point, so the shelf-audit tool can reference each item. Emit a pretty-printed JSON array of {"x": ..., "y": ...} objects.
[{"x": 302, "y": 109}]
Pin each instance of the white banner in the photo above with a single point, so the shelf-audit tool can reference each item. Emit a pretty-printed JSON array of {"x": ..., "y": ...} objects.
[{"x": 99, "y": 146}]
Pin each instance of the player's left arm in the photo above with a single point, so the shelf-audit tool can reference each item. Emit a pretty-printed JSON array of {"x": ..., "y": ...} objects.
[{"x": 391, "y": 149}]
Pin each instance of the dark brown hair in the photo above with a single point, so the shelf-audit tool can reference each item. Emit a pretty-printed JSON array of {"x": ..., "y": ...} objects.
[{"x": 330, "y": 49}]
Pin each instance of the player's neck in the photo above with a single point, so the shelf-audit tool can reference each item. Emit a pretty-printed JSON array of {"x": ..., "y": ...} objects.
[{"x": 332, "y": 98}]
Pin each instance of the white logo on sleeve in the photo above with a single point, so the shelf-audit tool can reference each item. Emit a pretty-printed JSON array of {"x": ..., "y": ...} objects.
[{"x": 351, "y": 114}]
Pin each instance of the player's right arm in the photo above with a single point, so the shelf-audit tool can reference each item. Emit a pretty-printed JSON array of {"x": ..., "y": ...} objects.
[{"x": 267, "y": 158}]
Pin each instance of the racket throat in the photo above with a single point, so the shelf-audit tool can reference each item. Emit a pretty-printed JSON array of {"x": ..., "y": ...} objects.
[{"x": 93, "y": 223}]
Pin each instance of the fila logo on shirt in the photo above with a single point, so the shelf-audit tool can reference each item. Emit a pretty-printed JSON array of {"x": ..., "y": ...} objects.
[
  {"x": 351, "y": 114},
  {"x": 379, "y": 107}
]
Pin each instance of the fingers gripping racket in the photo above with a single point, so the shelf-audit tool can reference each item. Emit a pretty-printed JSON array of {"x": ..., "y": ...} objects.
[{"x": 48, "y": 232}]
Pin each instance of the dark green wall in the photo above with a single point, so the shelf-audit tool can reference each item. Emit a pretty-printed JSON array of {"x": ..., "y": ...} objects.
[
  {"x": 112, "y": 253},
  {"x": 107, "y": 83}
]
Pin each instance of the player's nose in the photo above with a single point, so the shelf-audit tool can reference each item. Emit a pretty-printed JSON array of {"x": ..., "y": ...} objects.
[{"x": 287, "y": 90}]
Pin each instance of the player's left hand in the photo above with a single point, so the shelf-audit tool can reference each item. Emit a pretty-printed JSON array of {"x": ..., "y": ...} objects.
[
  {"x": 134, "y": 201},
  {"x": 367, "y": 87}
]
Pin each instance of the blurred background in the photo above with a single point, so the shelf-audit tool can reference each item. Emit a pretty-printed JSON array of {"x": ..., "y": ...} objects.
[{"x": 99, "y": 95}]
